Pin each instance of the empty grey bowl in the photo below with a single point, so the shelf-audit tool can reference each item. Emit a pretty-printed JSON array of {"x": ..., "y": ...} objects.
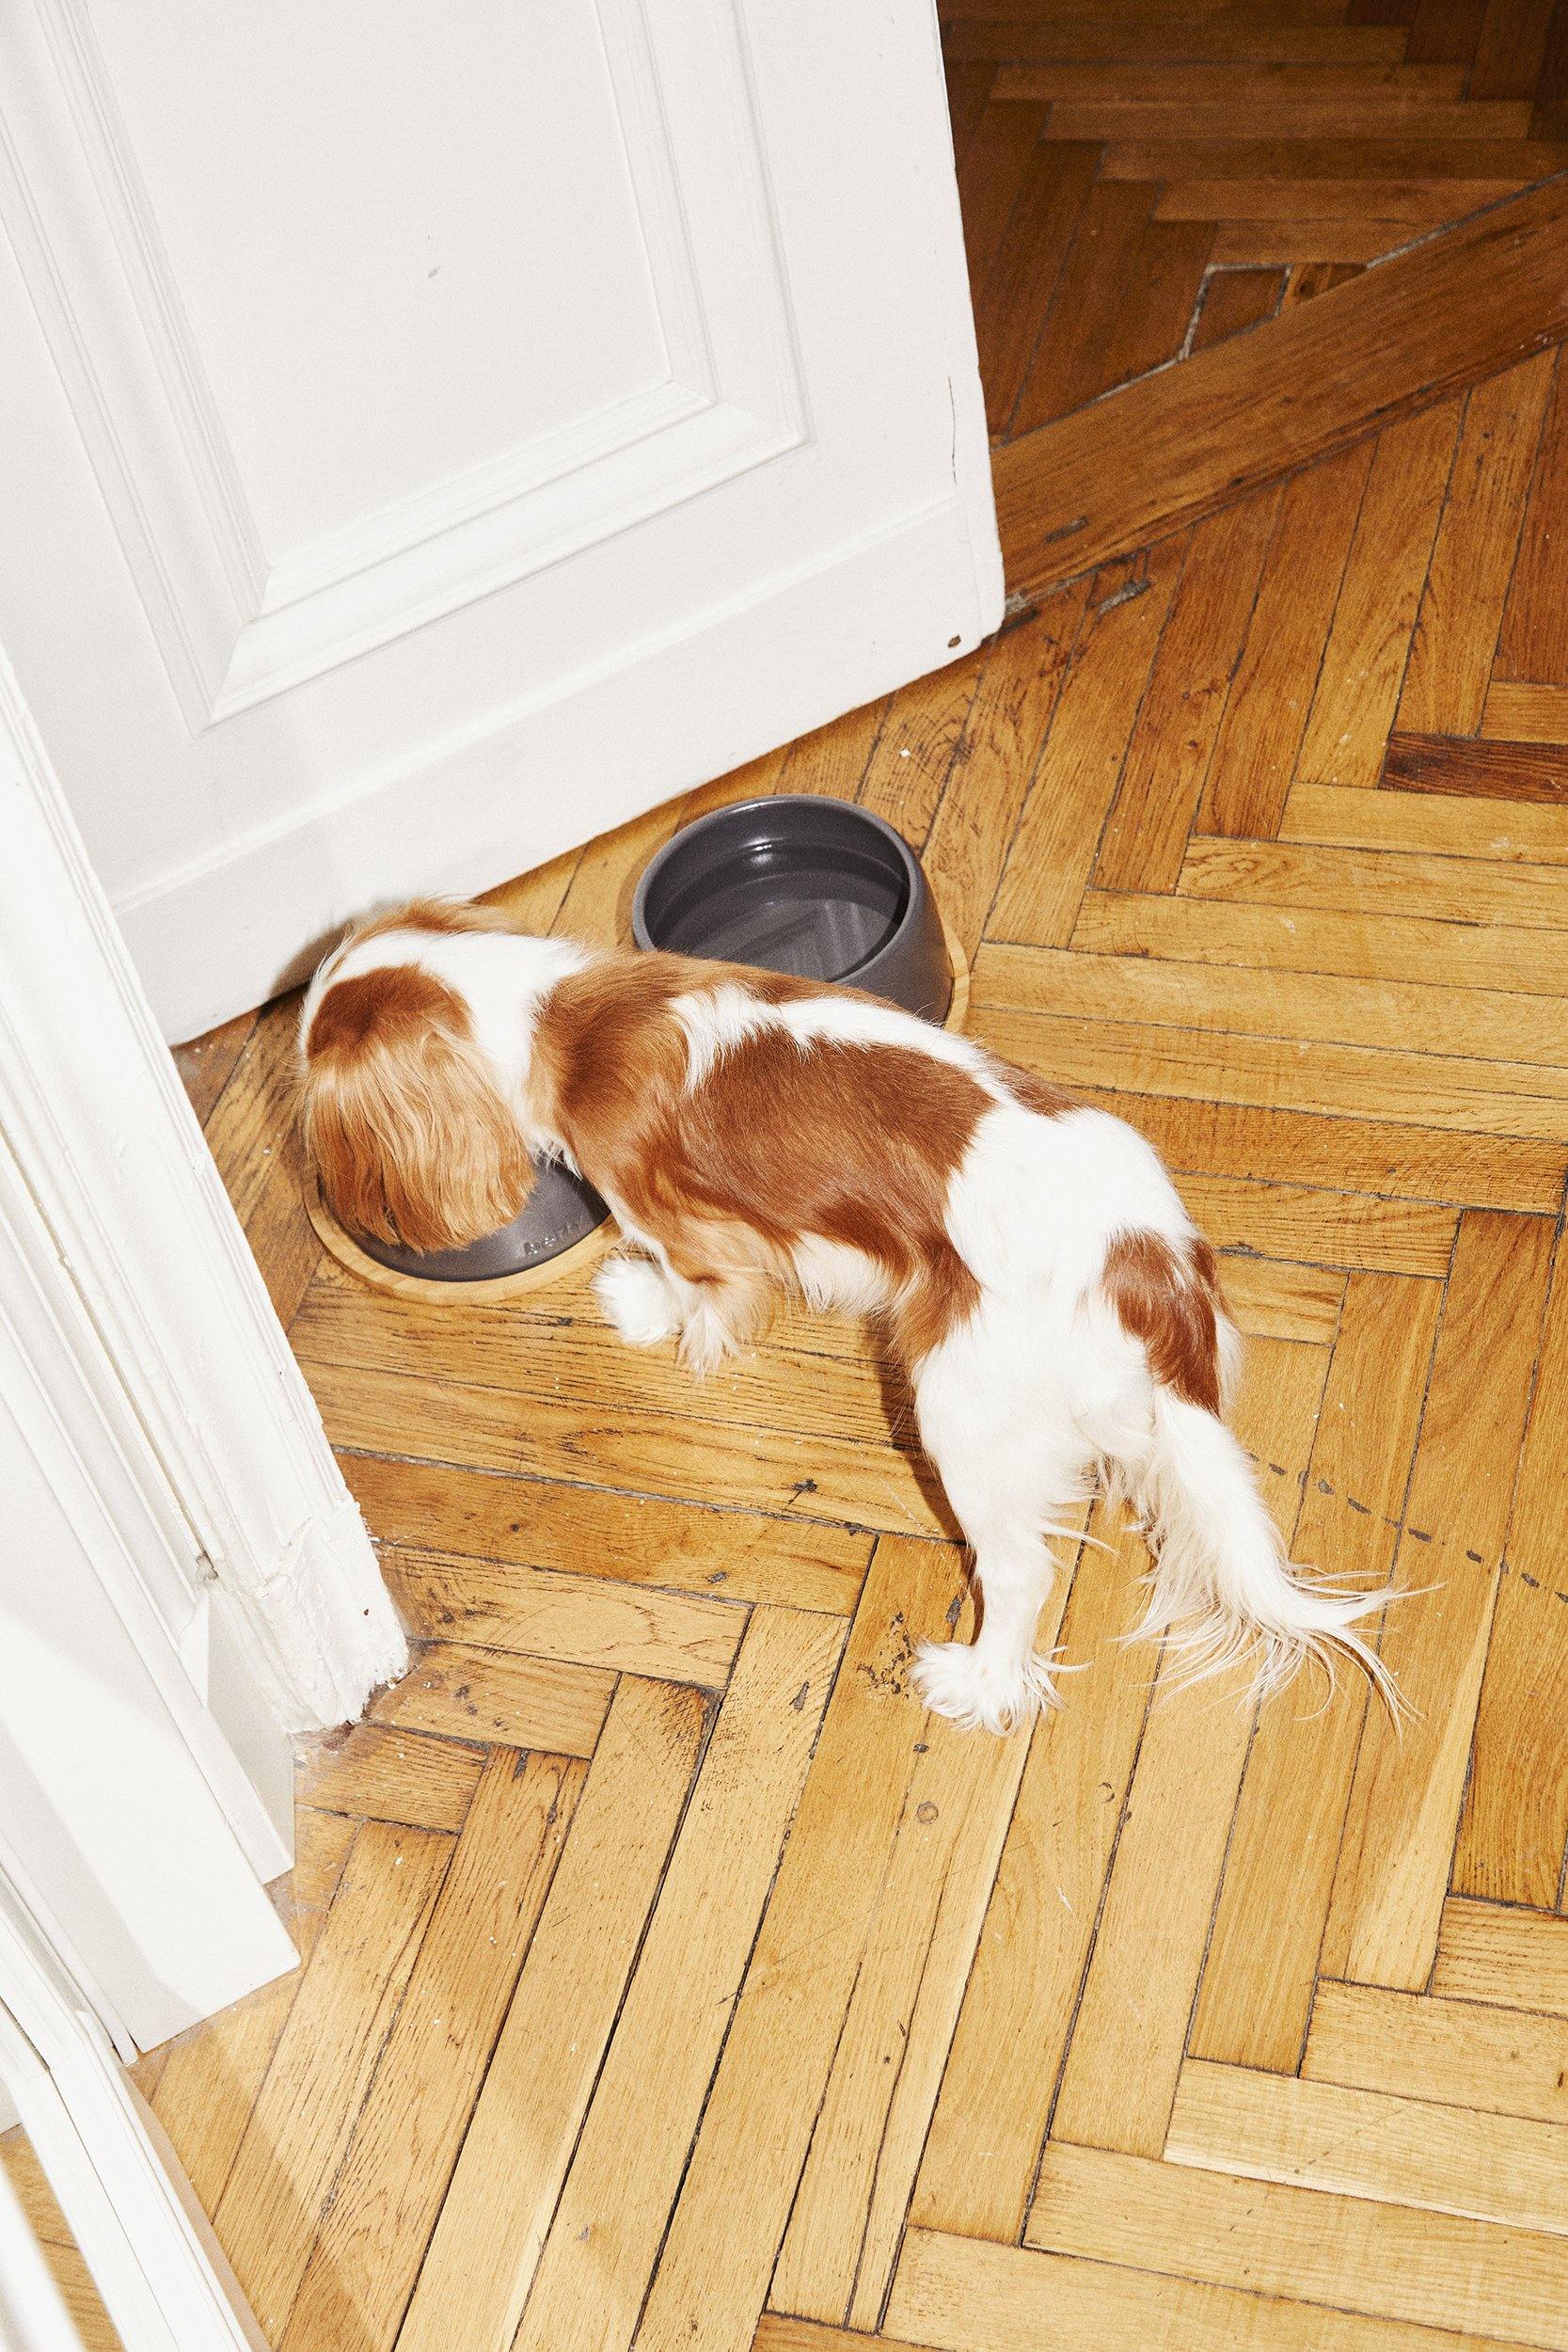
[
  {"x": 562, "y": 1210},
  {"x": 817, "y": 888}
]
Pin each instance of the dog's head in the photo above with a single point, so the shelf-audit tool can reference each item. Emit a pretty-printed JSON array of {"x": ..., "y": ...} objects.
[{"x": 402, "y": 1112}]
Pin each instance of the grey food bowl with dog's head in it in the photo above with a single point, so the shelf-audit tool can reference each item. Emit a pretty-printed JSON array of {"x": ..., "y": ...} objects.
[
  {"x": 562, "y": 1210},
  {"x": 820, "y": 889}
]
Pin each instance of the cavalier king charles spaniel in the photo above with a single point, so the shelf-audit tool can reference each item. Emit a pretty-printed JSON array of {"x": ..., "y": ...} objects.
[{"x": 1054, "y": 1309}]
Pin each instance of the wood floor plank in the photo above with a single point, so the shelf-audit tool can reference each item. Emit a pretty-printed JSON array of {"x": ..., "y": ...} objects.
[
  {"x": 1368, "y": 643},
  {"x": 301, "y": 2125},
  {"x": 996, "y": 759},
  {"x": 1529, "y": 713},
  {"x": 1402, "y": 2151},
  {"x": 1498, "y": 1952},
  {"x": 1284, "y": 1842},
  {"x": 380, "y": 1774},
  {"x": 1242, "y": 83},
  {"x": 580, "y": 1620},
  {"x": 207, "y": 1063},
  {"x": 1472, "y": 563},
  {"x": 1131, "y": 2028},
  {"x": 212, "y": 2076},
  {"x": 1000, "y": 2081},
  {"x": 1174, "y": 737},
  {"x": 631, "y": 1539},
  {"x": 1473, "y": 892},
  {"x": 1307, "y": 938},
  {"x": 1466, "y": 305},
  {"x": 253, "y": 1136},
  {"x": 1494, "y": 1024},
  {"x": 1013, "y": 297},
  {"x": 388, "y": 2190},
  {"x": 779, "y": 2056},
  {"x": 604, "y": 2239},
  {"x": 1323, "y": 1230},
  {"x": 831, "y": 761},
  {"x": 1127, "y": 292},
  {"x": 1408, "y": 202},
  {"x": 461, "y": 1689},
  {"x": 795, "y": 1383},
  {"x": 1272, "y": 1301},
  {"x": 1053, "y": 852},
  {"x": 992, "y": 170},
  {"x": 1391, "y": 2261},
  {"x": 1462, "y": 2054},
  {"x": 637, "y": 1452},
  {"x": 1489, "y": 769},
  {"x": 1466, "y": 1094},
  {"x": 209, "y": 2078},
  {"x": 1233, "y": 300},
  {"x": 1235, "y": 157},
  {"x": 908, "y": 769},
  {"x": 1441, "y": 824},
  {"x": 1513, "y": 1829},
  {"x": 486, "y": 2244},
  {"x": 849, "y": 2213},
  {"x": 1510, "y": 50},
  {"x": 1532, "y": 644},
  {"x": 1409, "y": 1780},
  {"x": 597, "y": 904},
  {"x": 960, "y": 2295},
  {"x": 1271, "y": 693},
  {"x": 1225, "y": 39},
  {"x": 1365, "y": 114},
  {"x": 1243, "y": 1142},
  {"x": 1337, "y": 240}
]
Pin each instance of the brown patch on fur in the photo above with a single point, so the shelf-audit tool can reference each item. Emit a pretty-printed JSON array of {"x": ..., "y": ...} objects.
[
  {"x": 1041, "y": 1095},
  {"x": 1169, "y": 1299},
  {"x": 856, "y": 1144},
  {"x": 410, "y": 1138}
]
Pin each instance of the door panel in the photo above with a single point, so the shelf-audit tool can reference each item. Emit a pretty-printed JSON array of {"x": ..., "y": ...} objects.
[{"x": 482, "y": 423}]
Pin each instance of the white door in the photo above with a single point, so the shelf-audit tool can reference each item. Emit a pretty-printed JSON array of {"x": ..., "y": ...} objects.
[{"x": 435, "y": 434}]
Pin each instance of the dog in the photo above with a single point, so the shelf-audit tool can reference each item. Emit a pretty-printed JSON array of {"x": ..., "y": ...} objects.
[{"x": 1056, "y": 1310}]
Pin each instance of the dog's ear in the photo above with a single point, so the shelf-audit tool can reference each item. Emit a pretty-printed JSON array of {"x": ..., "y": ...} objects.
[{"x": 402, "y": 1117}]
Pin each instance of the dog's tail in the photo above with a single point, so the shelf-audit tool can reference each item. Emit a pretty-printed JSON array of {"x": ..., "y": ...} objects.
[{"x": 1223, "y": 1588}]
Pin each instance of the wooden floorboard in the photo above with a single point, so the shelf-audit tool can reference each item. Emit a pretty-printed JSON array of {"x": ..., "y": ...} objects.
[{"x": 669, "y": 1979}]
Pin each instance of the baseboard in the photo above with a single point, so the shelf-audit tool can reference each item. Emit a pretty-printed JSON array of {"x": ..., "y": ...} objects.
[{"x": 225, "y": 933}]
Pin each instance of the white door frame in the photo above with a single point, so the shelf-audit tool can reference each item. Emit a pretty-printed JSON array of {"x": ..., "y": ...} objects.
[
  {"x": 158, "y": 1308},
  {"x": 163, "y": 2279}
]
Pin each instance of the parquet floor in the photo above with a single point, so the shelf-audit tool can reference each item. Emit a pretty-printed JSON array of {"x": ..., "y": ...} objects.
[
  {"x": 670, "y": 1978},
  {"x": 1141, "y": 180}
]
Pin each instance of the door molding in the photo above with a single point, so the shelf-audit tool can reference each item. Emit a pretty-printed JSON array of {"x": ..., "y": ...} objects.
[
  {"x": 160, "y": 1301},
  {"x": 163, "y": 2279}
]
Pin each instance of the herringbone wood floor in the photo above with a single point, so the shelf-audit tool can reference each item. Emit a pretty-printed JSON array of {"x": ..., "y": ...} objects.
[{"x": 670, "y": 1977}]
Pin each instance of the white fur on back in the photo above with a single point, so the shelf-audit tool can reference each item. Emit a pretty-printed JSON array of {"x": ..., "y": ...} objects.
[
  {"x": 713, "y": 1020},
  {"x": 717, "y": 1020}
]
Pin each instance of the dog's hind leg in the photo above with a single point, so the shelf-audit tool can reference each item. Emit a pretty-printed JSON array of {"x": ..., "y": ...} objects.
[{"x": 1011, "y": 1469}]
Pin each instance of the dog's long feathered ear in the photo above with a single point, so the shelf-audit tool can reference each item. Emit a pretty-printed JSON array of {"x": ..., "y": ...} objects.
[{"x": 403, "y": 1117}]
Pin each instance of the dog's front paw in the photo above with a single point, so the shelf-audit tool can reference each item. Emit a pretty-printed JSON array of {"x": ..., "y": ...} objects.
[
  {"x": 637, "y": 1300},
  {"x": 953, "y": 1679}
]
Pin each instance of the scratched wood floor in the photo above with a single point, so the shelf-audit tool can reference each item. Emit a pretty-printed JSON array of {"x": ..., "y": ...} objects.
[{"x": 670, "y": 1977}]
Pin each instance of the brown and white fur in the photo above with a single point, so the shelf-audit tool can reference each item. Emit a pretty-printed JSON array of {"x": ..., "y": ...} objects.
[{"x": 1055, "y": 1310}]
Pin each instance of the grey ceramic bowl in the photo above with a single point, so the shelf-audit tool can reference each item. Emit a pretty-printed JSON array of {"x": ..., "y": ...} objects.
[
  {"x": 562, "y": 1210},
  {"x": 814, "y": 887}
]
